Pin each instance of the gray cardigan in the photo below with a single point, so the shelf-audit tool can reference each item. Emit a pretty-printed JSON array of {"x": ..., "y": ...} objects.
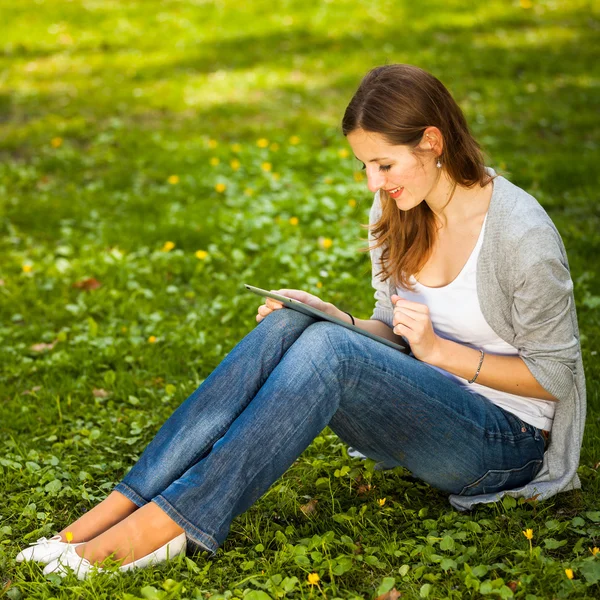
[{"x": 526, "y": 295}]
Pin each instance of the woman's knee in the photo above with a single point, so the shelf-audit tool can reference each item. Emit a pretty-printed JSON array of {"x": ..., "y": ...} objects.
[
  {"x": 284, "y": 320},
  {"x": 327, "y": 339}
]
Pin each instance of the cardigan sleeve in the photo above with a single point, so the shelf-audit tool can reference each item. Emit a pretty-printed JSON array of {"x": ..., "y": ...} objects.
[
  {"x": 383, "y": 310},
  {"x": 545, "y": 334}
]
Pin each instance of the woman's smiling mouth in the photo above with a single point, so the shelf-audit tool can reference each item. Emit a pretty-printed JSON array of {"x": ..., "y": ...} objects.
[{"x": 395, "y": 193}]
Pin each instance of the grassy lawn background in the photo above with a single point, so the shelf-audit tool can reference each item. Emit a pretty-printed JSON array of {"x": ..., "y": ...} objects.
[{"x": 154, "y": 157}]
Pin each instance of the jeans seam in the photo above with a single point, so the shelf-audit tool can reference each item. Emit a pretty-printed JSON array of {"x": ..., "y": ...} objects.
[
  {"x": 209, "y": 543},
  {"x": 276, "y": 451},
  {"x": 489, "y": 435},
  {"x": 507, "y": 471}
]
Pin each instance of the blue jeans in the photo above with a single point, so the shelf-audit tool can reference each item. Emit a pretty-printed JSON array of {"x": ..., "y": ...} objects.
[{"x": 281, "y": 385}]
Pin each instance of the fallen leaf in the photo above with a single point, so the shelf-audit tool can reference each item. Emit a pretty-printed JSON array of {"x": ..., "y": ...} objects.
[
  {"x": 33, "y": 390},
  {"x": 42, "y": 346},
  {"x": 99, "y": 393},
  {"x": 309, "y": 508},
  {"x": 391, "y": 595},
  {"x": 532, "y": 499},
  {"x": 513, "y": 585},
  {"x": 87, "y": 284}
]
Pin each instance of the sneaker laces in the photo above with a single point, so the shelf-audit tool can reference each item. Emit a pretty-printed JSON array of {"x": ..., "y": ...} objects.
[{"x": 45, "y": 541}]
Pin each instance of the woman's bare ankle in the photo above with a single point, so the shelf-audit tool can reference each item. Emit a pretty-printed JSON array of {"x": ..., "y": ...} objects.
[{"x": 113, "y": 509}]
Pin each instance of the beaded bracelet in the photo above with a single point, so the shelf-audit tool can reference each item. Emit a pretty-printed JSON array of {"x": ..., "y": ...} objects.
[
  {"x": 353, "y": 323},
  {"x": 478, "y": 368}
]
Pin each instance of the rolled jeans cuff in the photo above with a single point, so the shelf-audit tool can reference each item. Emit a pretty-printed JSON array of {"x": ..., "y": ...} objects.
[
  {"x": 197, "y": 540},
  {"x": 130, "y": 494}
]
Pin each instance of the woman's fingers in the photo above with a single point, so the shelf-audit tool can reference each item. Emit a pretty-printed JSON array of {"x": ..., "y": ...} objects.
[
  {"x": 267, "y": 308},
  {"x": 405, "y": 319},
  {"x": 264, "y": 310},
  {"x": 273, "y": 304},
  {"x": 409, "y": 316}
]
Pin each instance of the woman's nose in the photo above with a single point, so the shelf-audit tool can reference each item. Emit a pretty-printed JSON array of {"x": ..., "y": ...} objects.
[{"x": 375, "y": 179}]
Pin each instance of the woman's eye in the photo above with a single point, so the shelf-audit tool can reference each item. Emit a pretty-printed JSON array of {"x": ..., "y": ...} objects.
[{"x": 381, "y": 167}]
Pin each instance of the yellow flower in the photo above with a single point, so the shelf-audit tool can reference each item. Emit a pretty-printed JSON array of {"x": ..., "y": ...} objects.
[
  {"x": 235, "y": 164},
  {"x": 249, "y": 191},
  {"x": 173, "y": 179},
  {"x": 123, "y": 329},
  {"x": 358, "y": 176},
  {"x": 69, "y": 536},
  {"x": 56, "y": 142},
  {"x": 201, "y": 254},
  {"x": 152, "y": 339},
  {"x": 294, "y": 140},
  {"x": 266, "y": 166},
  {"x": 326, "y": 243},
  {"x": 313, "y": 578},
  {"x": 595, "y": 551},
  {"x": 319, "y": 284},
  {"x": 328, "y": 180},
  {"x": 220, "y": 187},
  {"x": 274, "y": 147},
  {"x": 27, "y": 268},
  {"x": 262, "y": 143},
  {"x": 343, "y": 153},
  {"x": 214, "y": 161},
  {"x": 352, "y": 202},
  {"x": 526, "y": 4},
  {"x": 212, "y": 143},
  {"x": 528, "y": 533},
  {"x": 294, "y": 221},
  {"x": 569, "y": 573},
  {"x": 236, "y": 147},
  {"x": 381, "y": 501},
  {"x": 168, "y": 246},
  {"x": 275, "y": 176}
]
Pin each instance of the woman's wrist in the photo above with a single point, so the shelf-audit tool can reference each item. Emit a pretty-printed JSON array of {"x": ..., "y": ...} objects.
[
  {"x": 448, "y": 354},
  {"x": 436, "y": 357},
  {"x": 334, "y": 311}
]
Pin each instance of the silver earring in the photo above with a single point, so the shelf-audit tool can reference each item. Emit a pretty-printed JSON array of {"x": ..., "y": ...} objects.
[{"x": 438, "y": 164}]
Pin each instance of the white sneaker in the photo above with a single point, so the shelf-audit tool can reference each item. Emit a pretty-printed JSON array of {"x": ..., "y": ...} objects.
[
  {"x": 170, "y": 550},
  {"x": 44, "y": 550},
  {"x": 83, "y": 567},
  {"x": 69, "y": 558}
]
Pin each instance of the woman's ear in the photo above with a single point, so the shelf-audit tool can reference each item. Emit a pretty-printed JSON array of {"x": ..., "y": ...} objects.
[{"x": 433, "y": 140}]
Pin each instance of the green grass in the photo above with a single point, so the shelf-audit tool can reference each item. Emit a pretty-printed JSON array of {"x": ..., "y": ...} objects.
[{"x": 133, "y": 93}]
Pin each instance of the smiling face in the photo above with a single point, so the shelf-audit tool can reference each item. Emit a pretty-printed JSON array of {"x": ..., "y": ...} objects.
[{"x": 390, "y": 167}]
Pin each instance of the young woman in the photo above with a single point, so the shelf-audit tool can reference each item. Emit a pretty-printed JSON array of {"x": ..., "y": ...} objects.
[{"x": 467, "y": 267}]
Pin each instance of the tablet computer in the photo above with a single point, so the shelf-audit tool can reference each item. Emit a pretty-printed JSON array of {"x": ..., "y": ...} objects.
[{"x": 322, "y": 316}]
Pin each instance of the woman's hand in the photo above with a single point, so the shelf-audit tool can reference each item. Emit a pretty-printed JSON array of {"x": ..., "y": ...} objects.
[
  {"x": 270, "y": 305},
  {"x": 411, "y": 319}
]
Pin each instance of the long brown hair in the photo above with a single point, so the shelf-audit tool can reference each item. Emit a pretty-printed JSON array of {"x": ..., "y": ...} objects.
[{"x": 400, "y": 102}]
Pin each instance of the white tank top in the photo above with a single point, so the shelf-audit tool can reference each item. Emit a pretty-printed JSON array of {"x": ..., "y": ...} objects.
[{"x": 456, "y": 315}]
